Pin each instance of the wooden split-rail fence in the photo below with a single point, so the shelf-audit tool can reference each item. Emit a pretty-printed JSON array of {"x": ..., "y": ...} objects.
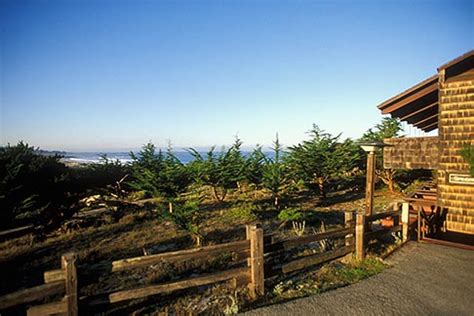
[{"x": 255, "y": 253}]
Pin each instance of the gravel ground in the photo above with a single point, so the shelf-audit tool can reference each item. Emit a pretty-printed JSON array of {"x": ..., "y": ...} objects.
[{"x": 424, "y": 279}]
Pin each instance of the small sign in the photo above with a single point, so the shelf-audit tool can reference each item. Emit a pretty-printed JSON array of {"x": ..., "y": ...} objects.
[{"x": 461, "y": 179}]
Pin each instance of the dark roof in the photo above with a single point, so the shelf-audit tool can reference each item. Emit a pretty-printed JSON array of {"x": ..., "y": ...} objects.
[{"x": 418, "y": 105}]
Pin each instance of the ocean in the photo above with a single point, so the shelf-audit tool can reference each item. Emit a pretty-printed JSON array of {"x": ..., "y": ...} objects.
[{"x": 124, "y": 157}]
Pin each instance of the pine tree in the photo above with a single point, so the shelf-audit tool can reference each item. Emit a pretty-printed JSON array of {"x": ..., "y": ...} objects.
[
  {"x": 221, "y": 171},
  {"x": 274, "y": 173},
  {"x": 158, "y": 173},
  {"x": 322, "y": 158}
]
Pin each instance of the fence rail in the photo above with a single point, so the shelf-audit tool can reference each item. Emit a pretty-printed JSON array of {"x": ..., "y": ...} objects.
[
  {"x": 256, "y": 250},
  {"x": 31, "y": 294},
  {"x": 239, "y": 247},
  {"x": 63, "y": 281},
  {"x": 238, "y": 273},
  {"x": 298, "y": 241},
  {"x": 364, "y": 231},
  {"x": 316, "y": 259},
  {"x": 16, "y": 232}
]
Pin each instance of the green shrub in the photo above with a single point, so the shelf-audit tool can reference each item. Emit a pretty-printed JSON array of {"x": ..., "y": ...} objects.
[
  {"x": 222, "y": 171},
  {"x": 468, "y": 154},
  {"x": 185, "y": 216},
  {"x": 157, "y": 173},
  {"x": 97, "y": 177},
  {"x": 254, "y": 167},
  {"x": 296, "y": 217},
  {"x": 275, "y": 174},
  {"x": 360, "y": 270},
  {"x": 32, "y": 186},
  {"x": 322, "y": 158},
  {"x": 244, "y": 212},
  {"x": 290, "y": 214}
]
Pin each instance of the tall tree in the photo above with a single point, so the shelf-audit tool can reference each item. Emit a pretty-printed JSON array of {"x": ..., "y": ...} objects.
[
  {"x": 158, "y": 173},
  {"x": 221, "y": 171},
  {"x": 275, "y": 176},
  {"x": 321, "y": 158},
  {"x": 254, "y": 165}
]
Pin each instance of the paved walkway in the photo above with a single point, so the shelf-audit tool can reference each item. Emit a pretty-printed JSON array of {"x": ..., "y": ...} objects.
[{"x": 424, "y": 279}]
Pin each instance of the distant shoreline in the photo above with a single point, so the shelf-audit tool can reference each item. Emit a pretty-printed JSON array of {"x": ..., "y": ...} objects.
[{"x": 87, "y": 158}]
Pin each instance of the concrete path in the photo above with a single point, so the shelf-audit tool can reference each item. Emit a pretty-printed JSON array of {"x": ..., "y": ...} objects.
[{"x": 424, "y": 279}]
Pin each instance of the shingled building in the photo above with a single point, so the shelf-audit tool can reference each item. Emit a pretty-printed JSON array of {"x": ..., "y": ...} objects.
[{"x": 445, "y": 102}]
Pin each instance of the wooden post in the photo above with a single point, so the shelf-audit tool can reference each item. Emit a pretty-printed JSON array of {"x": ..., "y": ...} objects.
[
  {"x": 360, "y": 230},
  {"x": 69, "y": 266},
  {"x": 257, "y": 286},
  {"x": 348, "y": 221},
  {"x": 405, "y": 221},
  {"x": 418, "y": 225},
  {"x": 396, "y": 219},
  {"x": 370, "y": 184},
  {"x": 423, "y": 228}
]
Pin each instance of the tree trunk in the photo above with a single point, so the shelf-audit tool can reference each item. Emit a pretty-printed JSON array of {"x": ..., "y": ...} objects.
[
  {"x": 391, "y": 186},
  {"x": 219, "y": 198},
  {"x": 321, "y": 186},
  {"x": 387, "y": 177},
  {"x": 197, "y": 239},
  {"x": 240, "y": 187},
  {"x": 216, "y": 194},
  {"x": 224, "y": 194},
  {"x": 170, "y": 207}
]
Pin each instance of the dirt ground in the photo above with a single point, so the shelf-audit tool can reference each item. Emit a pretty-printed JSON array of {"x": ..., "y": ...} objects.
[
  {"x": 424, "y": 279},
  {"x": 108, "y": 237}
]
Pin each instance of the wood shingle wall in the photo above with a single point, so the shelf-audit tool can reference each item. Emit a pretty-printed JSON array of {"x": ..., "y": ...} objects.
[
  {"x": 411, "y": 153},
  {"x": 456, "y": 128}
]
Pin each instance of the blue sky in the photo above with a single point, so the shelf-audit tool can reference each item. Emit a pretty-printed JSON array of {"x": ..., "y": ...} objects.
[{"x": 111, "y": 75}]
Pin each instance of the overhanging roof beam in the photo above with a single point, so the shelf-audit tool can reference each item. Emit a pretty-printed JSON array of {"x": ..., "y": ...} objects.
[
  {"x": 428, "y": 123},
  {"x": 420, "y": 123},
  {"x": 422, "y": 93},
  {"x": 409, "y": 115},
  {"x": 430, "y": 127}
]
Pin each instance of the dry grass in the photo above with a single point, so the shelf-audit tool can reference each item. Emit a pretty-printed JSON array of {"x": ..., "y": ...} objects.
[{"x": 23, "y": 260}]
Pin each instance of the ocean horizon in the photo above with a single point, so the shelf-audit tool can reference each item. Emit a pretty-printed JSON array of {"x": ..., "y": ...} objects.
[{"x": 124, "y": 156}]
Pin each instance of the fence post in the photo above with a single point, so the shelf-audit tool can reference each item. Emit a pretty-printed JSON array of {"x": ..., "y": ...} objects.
[
  {"x": 348, "y": 221},
  {"x": 396, "y": 219},
  {"x": 69, "y": 266},
  {"x": 418, "y": 224},
  {"x": 423, "y": 228},
  {"x": 360, "y": 230},
  {"x": 405, "y": 221},
  {"x": 257, "y": 286}
]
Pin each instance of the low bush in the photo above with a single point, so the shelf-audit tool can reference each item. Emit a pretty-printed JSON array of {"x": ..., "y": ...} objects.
[
  {"x": 101, "y": 177},
  {"x": 32, "y": 186},
  {"x": 467, "y": 153},
  {"x": 356, "y": 271},
  {"x": 296, "y": 217},
  {"x": 185, "y": 216},
  {"x": 241, "y": 212},
  {"x": 157, "y": 173}
]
